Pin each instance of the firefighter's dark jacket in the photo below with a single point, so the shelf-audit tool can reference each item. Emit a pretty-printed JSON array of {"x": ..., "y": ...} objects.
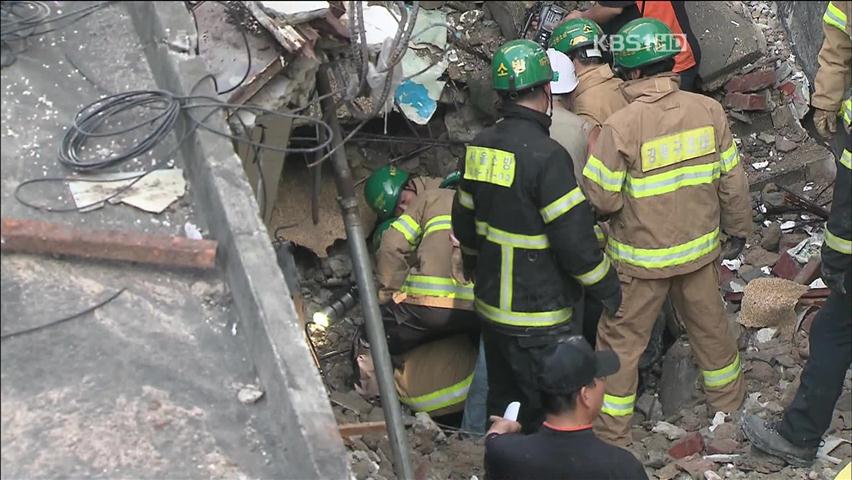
[{"x": 525, "y": 227}]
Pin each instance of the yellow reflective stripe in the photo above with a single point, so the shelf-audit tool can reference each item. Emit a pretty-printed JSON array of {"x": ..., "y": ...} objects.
[
  {"x": 597, "y": 172},
  {"x": 469, "y": 251},
  {"x": 562, "y": 205},
  {"x": 445, "y": 397},
  {"x": 846, "y": 159},
  {"x": 673, "y": 180},
  {"x": 618, "y": 406},
  {"x": 437, "y": 223},
  {"x": 489, "y": 165},
  {"x": 835, "y": 17},
  {"x": 465, "y": 199},
  {"x": 671, "y": 149},
  {"x": 730, "y": 158},
  {"x": 846, "y": 112},
  {"x": 723, "y": 376},
  {"x": 599, "y": 234},
  {"x": 407, "y": 227},
  {"x": 522, "y": 319},
  {"x": 507, "y": 266},
  {"x": 664, "y": 257},
  {"x": 838, "y": 244},
  {"x": 596, "y": 274},
  {"x": 432, "y": 286},
  {"x": 502, "y": 237}
]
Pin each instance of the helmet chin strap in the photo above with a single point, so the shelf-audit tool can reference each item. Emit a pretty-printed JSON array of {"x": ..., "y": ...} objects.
[{"x": 550, "y": 101}]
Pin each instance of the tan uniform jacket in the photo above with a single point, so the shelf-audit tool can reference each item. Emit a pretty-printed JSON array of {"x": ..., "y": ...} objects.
[
  {"x": 572, "y": 132},
  {"x": 835, "y": 58},
  {"x": 416, "y": 253},
  {"x": 597, "y": 95},
  {"x": 667, "y": 169}
]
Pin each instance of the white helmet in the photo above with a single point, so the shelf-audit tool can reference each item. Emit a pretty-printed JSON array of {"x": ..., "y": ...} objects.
[{"x": 564, "y": 77}]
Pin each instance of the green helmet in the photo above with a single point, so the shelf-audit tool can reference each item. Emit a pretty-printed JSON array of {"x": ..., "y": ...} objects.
[
  {"x": 575, "y": 33},
  {"x": 383, "y": 188},
  {"x": 451, "y": 180},
  {"x": 378, "y": 232},
  {"x": 519, "y": 65},
  {"x": 642, "y": 42}
]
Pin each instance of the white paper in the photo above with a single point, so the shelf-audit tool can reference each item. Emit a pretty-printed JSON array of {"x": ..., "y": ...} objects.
[
  {"x": 153, "y": 193},
  {"x": 760, "y": 165},
  {"x": 788, "y": 225},
  {"x": 818, "y": 283}
]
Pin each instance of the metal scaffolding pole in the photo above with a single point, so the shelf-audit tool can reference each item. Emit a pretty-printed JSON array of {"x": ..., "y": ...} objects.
[{"x": 362, "y": 267}]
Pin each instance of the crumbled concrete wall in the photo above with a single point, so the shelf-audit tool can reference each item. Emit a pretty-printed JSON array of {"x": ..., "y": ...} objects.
[{"x": 803, "y": 22}]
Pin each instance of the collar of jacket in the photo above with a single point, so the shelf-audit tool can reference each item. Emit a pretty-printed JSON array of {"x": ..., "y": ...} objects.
[
  {"x": 513, "y": 110},
  {"x": 593, "y": 77},
  {"x": 650, "y": 89}
]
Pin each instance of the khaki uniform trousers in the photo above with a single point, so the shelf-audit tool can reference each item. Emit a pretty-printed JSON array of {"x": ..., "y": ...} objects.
[{"x": 696, "y": 298}]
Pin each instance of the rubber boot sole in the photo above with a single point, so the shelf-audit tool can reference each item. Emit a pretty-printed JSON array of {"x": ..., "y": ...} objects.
[{"x": 757, "y": 442}]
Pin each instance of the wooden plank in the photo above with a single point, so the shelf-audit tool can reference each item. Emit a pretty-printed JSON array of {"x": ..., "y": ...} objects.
[
  {"x": 352, "y": 429},
  {"x": 33, "y": 236}
]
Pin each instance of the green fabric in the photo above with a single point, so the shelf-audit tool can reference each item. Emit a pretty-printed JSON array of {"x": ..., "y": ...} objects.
[
  {"x": 383, "y": 188},
  {"x": 451, "y": 180},
  {"x": 644, "y": 41},
  {"x": 519, "y": 65},
  {"x": 575, "y": 33},
  {"x": 379, "y": 231}
]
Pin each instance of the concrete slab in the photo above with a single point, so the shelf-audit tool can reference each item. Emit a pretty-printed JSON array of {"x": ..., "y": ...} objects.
[
  {"x": 803, "y": 23},
  {"x": 728, "y": 41}
]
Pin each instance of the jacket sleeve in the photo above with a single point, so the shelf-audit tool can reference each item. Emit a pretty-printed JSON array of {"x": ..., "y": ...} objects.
[
  {"x": 569, "y": 225},
  {"x": 835, "y": 57},
  {"x": 605, "y": 171},
  {"x": 734, "y": 197},
  {"x": 464, "y": 226},
  {"x": 398, "y": 242},
  {"x": 837, "y": 247}
]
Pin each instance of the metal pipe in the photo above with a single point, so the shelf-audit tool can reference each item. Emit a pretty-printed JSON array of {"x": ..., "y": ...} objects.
[{"x": 362, "y": 266}]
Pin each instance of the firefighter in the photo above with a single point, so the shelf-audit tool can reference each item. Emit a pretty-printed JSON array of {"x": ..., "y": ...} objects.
[
  {"x": 431, "y": 327},
  {"x": 526, "y": 233},
  {"x": 666, "y": 172},
  {"x": 797, "y": 436},
  {"x": 597, "y": 95}
]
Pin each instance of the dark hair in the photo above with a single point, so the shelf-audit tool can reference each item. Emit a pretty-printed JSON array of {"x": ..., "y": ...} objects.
[
  {"x": 521, "y": 95},
  {"x": 580, "y": 56},
  {"x": 656, "y": 68},
  {"x": 556, "y": 403}
]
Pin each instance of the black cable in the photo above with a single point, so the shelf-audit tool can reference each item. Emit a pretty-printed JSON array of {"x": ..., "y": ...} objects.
[
  {"x": 12, "y": 29},
  {"x": 245, "y": 42},
  {"x": 64, "y": 319}
]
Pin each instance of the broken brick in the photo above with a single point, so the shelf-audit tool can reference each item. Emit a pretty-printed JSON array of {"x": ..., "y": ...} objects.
[
  {"x": 722, "y": 445},
  {"x": 695, "y": 466},
  {"x": 686, "y": 446},
  {"x": 788, "y": 88},
  {"x": 786, "y": 267},
  {"x": 751, "y": 82},
  {"x": 748, "y": 101}
]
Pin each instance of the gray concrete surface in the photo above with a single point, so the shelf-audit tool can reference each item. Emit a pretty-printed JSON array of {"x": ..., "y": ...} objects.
[
  {"x": 803, "y": 23},
  {"x": 728, "y": 41},
  {"x": 272, "y": 330},
  {"x": 145, "y": 387}
]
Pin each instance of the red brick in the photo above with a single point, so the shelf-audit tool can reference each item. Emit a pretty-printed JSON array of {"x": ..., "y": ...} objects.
[
  {"x": 722, "y": 445},
  {"x": 786, "y": 267},
  {"x": 748, "y": 101},
  {"x": 686, "y": 446},
  {"x": 789, "y": 88},
  {"x": 695, "y": 466},
  {"x": 751, "y": 82},
  {"x": 725, "y": 275}
]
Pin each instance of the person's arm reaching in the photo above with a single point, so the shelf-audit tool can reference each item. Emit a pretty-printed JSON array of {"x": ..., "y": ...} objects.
[
  {"x": 835, "y": 62},
  {"x": 463, "y": 220},
  {"x": 734, "y": 197},
  {"x": 397, "y": 243},
  {"x": 605, "y": 172},
  {"x": 600, "y": 13}
]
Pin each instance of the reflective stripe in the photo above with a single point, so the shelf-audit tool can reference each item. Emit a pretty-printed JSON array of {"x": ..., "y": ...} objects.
[
  {"x": 835, "y": 17},
  {"x": 675, "y": 148},
  {"x": 723, "y": 376},
  {"x": 664, "y": 257},
  {"x": 407, "y": 227},
  {"x": 846, "y": 112},
  {"x": 562, "y": 205},
  {"x": 838, "y": 244},
  {"x": 445, "y": 397},
  {"x": 730, "y": 158},
  {"x": 673, "y": 180},
  {"x": 846, "y": 159},
  {"x": 597, "y": 172},
  {"x": 437, "y": 223},
  {"x": 507, "y": 266},
  {"x": 465, "y": 199},
  {"x": 618, "y": 406},
  {"x": 596, "y": 274},
  {"x": 522, "y": 319},
  {"x": 502, "y": 237},
  {"x": 437, "y": 287},
  {"x": 599, "y": 234}
]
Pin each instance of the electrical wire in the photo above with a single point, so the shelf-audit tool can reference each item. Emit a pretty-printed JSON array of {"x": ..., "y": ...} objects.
[
  {"x": 64, "y": 319},
  {"x": 17, "y": 27},
  {"x": 245, "y": 43}
]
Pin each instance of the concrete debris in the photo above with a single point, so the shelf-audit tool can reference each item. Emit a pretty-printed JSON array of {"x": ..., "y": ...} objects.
[
  {"x": 677, "y": 383},
  {"x": 771, "y": 237},
  {"x": 764, "y": 335},
  {"x": 718, "y": 419},
  {"x": 671, "y": 432},
  {"x": 691, "y": 444},
  {"x": 296, "y": 12},
  {"x": 770, "y": 302},
  {"x": 711, "y": 475},
  {"x": 695, "y": 466},
  {"x": 783, "y": 145},
  {"x": 249, "y": 394}
]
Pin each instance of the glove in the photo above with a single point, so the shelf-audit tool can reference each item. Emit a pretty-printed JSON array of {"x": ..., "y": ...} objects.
[
  {"x": 613, "y": 302},
  {"x": 733, "y": 247},
  {"x": 825, "y": 122},
  {"x": 834, "y": 279}
]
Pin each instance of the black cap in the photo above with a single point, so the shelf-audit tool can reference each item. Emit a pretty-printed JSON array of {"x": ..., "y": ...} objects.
[{"x": 571, "y": 364}]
